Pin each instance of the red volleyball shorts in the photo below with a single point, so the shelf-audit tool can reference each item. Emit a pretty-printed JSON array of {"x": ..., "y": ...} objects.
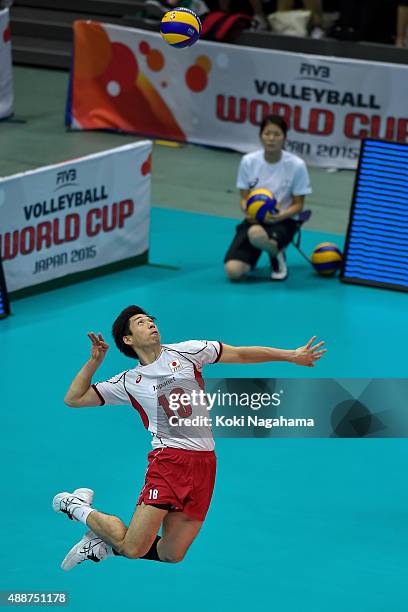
[{"x": 181, "y": 479}]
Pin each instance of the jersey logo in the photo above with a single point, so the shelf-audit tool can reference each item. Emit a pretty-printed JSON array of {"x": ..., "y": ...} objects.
[
  {"x": 138, "y": 378},
  {"x": 253, "y": 184},
  {"x": 175, "y": 365}
]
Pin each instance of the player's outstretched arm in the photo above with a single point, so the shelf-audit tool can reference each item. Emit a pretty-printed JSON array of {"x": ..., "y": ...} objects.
[
  {"x": 306, "y": 355},
  {"x": 80, "y": 393}
]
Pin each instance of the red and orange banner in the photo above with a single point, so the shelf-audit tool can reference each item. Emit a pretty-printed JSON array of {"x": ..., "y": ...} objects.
[{"x": 109, "y": 88}]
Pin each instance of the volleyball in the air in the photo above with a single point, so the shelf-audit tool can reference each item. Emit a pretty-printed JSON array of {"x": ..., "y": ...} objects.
[
  {"x": 180, "y": 28},
  {"x": 261, "y": 205},
  {"x": 326, "y": 259}
]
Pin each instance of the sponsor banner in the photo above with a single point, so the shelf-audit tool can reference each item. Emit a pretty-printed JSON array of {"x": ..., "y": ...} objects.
[
  {"x": 6, "y": 73},
  {"x": 75, "y": 216},
  {"x": 216, "y": 94},
  {"x": 285, "y": 408}
]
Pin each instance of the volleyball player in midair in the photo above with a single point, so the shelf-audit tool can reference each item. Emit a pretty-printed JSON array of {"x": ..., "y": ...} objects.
[{"x": 180, "y": 476}]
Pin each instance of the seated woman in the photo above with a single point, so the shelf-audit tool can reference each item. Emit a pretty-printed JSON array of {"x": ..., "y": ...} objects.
[{"x": 286, "y": 176}]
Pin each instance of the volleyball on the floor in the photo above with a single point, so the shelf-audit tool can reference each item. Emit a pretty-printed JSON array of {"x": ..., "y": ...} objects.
[
  {"x": 326, "y": 258},
  {"x": 180, "y": 27},
  {"x": 261, "y": 205}
]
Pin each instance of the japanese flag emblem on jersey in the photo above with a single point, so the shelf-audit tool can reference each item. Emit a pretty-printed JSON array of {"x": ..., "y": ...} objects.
[{"x": 175, "y": 365}]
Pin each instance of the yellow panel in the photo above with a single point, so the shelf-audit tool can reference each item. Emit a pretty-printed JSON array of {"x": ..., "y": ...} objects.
[
  {"x": 326, "y": 257},
  {"x": 253, "y": 208},
  {"x": 172, "y": 39}
]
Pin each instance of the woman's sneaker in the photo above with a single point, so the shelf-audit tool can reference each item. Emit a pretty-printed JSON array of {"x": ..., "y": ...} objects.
[
  {"x": 90, "y": 548},
  {"x": 279, "y": 267}
]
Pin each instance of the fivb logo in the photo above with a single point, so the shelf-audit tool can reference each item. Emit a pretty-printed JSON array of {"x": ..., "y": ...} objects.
[
  {"x": 66, "y": 178},
  {"x": 314, "y": 71}
]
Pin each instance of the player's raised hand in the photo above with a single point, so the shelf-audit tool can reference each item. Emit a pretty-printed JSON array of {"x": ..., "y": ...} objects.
[
  {"x": 98, "y": 348},
  {"x": 310, "y": 353}
]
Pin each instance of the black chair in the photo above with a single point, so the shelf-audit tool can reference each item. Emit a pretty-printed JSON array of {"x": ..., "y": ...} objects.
[{"x": 304, "y": 216}]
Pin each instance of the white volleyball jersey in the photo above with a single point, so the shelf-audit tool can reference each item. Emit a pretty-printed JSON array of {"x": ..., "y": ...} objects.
[
  {"x": 287, "y": 178},
  {"x": 151, "y": 390}
]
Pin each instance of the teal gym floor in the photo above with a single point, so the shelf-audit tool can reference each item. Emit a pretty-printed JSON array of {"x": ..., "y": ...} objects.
[{"x": 295, "y": 525}]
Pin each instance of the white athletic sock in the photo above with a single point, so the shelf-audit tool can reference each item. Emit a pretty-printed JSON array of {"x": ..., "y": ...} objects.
[{"x": 82, "y": 512}]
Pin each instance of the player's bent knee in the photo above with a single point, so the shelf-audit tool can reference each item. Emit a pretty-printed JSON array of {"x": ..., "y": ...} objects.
[
  {"x": 133, "y": 551},
  {"x": 172, "y": 557},
  {"x": 235, "y": 270},
  {"x": 257, "y": 235}
]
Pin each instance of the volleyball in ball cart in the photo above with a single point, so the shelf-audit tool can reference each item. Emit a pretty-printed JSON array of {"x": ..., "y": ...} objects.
[
  {"x": 180, "y": 28},
  {"x": 261, "y": 205},
  {"x": 326, "y": 259}
]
